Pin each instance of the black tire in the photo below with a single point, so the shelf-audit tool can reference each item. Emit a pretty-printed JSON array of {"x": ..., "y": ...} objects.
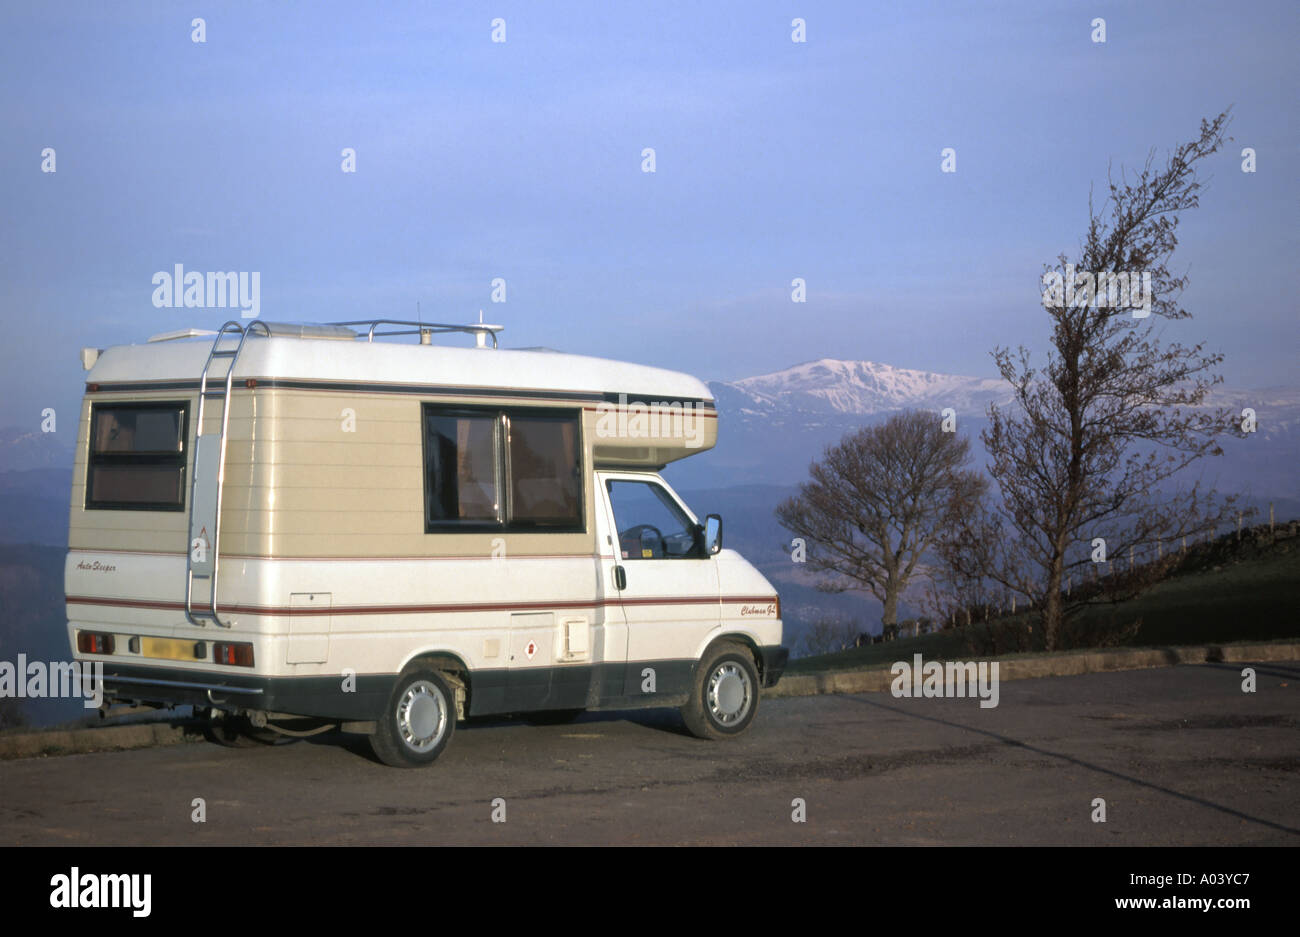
[
  {"x": 724, "y": 697},
  {"x": 418, "y": 722},
  {"x": 553, "y": 717}
]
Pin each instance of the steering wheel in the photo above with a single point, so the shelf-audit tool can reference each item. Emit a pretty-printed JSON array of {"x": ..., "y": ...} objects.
[{"x": 637, "y": 535}]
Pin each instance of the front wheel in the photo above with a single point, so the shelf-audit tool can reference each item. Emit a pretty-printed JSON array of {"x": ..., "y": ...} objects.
[
  {"x": 724, "y": 698},
  {"x": 418, "y": 722}
]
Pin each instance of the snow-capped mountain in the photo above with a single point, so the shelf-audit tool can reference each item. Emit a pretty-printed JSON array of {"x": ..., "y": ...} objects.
[
  {"x": 772, "y": 425},
  {"x": 832, "y": 386}
]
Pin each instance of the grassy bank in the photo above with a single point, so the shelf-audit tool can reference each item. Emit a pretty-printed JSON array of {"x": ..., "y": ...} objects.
[{"x": 1249, "y": 598}]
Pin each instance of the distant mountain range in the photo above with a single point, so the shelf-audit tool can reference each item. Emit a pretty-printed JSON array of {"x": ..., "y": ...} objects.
[
  {"x": 772, "y": 425},
  {"x": 829, "y": 388}
]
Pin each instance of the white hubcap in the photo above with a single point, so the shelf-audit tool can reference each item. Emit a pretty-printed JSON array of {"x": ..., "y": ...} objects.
[
  {"x": 422, "y": 716},
  {"x": 730, "y": 693}
]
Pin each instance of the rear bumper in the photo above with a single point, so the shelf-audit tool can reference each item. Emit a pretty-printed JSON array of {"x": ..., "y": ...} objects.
[
  {"x": 774, "y": 658},
  {"x": 327, "y": 697}
]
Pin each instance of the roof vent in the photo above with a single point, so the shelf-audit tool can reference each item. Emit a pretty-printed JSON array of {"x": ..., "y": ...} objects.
[
  {"x": 180, "y": 333},
  {"x": 280, "y": 329}
]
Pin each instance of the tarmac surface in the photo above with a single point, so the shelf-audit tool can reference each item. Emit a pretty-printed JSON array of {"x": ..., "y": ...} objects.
[{"x": 1180, "y": 755}]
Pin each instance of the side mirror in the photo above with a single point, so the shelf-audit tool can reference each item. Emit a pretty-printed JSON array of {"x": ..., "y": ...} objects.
[{"x": 712, "y": 534}]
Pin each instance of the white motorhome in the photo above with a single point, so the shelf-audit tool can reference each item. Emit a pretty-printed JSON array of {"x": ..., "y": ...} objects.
[{"x": 293, "y": 526}]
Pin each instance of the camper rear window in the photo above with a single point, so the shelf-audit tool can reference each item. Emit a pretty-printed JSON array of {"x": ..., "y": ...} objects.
[
  {"x": 137, "y": 457},
  {"x": 502, "y": 469}
]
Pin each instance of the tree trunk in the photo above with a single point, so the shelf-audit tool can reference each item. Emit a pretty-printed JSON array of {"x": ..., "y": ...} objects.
[
  {"x": 890, "y": 614},
  {"x": 1051, "y": 613}
]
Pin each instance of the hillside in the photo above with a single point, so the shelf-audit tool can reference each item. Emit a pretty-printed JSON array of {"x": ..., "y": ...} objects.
[{"x": 1242, "y": 592}]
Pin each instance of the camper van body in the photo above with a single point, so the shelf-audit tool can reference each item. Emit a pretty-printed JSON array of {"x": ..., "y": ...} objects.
[{"x": 302, "y": 521}]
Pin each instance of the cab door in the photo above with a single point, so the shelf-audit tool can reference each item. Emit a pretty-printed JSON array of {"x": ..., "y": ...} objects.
[
  {"x": 667, "y": 584},
  {"x": 609, "y": 636}
]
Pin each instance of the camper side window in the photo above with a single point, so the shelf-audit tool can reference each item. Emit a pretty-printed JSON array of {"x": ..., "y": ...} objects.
[
  {"x": 545, "y": 471},
  {"x": 137, "y": 457},
  {"x": 461, "y": 459},
  {"x": 502, "y": 469}
]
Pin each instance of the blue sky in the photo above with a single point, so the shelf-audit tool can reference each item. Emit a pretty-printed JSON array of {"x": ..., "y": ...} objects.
[{"x": 522, "y": 160}]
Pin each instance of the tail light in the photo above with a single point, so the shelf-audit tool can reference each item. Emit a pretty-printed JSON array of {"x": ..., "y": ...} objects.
[
  {"x": 239, "y": 655},
  {"x": 93, "y": 642}
]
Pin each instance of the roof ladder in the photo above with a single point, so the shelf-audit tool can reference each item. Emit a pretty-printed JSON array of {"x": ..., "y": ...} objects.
[{"x": 209, "y": 474}]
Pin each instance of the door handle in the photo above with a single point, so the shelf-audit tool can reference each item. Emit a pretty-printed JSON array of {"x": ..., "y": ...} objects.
[{"x": 620, "y": 577}]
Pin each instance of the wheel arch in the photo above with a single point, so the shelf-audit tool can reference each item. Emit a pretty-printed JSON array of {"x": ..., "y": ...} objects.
[
  {"x": 452, "y": 667},
  {"x": 748, "y": 641}
]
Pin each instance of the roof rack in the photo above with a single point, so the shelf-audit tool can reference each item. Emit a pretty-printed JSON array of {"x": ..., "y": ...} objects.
[{"x": 426, "y": 330}]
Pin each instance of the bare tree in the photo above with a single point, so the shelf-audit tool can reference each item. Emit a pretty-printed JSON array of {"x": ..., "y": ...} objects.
[
  {"x": 959, "y": 593},
  {"x": 878, "y": 501},
  {"x": 1085, "y": 456}
]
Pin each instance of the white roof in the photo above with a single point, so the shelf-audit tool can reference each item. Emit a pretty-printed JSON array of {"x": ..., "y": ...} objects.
[{"x": 386, "y": 362}]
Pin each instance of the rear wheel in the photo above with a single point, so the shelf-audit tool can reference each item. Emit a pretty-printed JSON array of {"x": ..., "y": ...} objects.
[
  {"x": 418, "y": 722},
  {"x": 724, "y": 698}
]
